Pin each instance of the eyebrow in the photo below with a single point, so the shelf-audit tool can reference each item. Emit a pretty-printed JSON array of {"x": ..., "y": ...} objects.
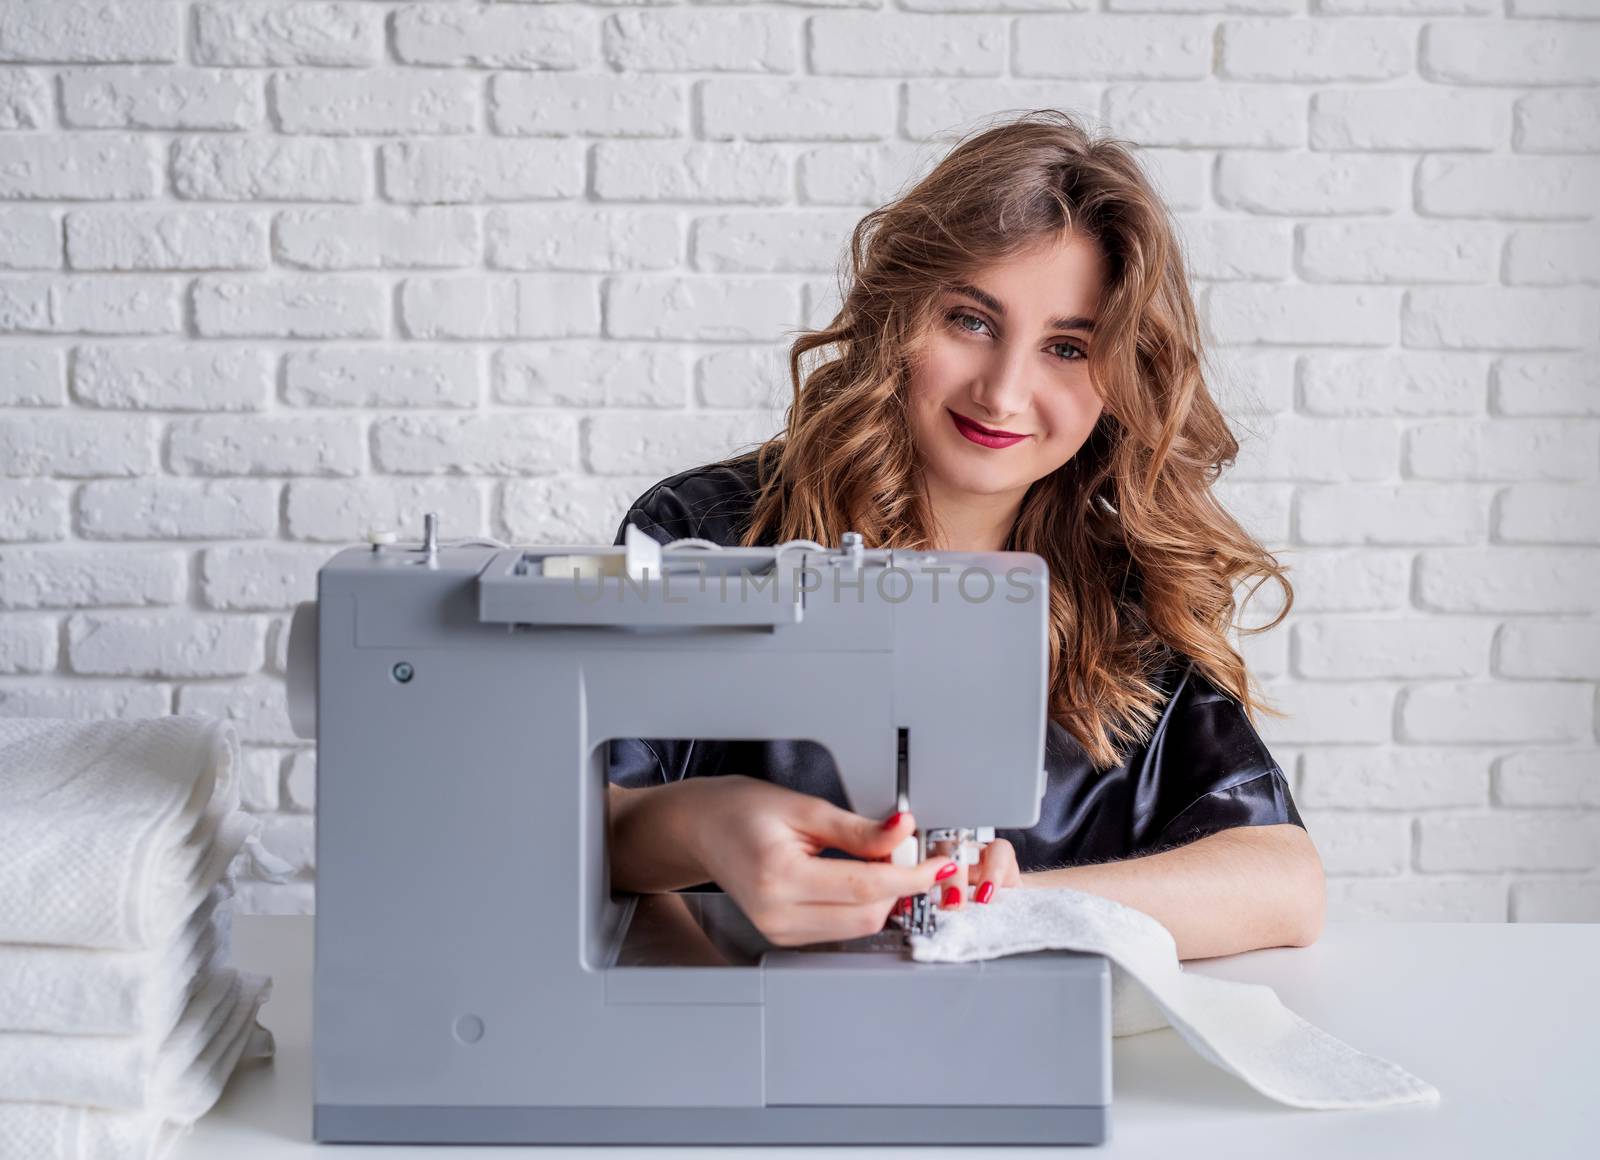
[{"x": 1076, "y": 322}]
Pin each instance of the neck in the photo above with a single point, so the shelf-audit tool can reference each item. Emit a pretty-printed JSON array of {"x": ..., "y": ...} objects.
[{"x": 969, "y": 522}]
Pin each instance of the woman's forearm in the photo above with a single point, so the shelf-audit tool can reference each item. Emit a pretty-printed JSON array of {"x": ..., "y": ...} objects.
[
  {"x": 650, "y": 840},
  {"x": 1235, "y": 890}
]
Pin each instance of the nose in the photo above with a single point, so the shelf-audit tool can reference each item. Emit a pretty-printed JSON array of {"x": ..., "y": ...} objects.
[{"x": 1003, "y": 391}]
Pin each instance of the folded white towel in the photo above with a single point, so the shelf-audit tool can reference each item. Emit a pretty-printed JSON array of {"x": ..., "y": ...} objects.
[
  {"x": 109, "y": 829},
  {"x": 83, "y": 991},
  {"x": 143, "y": 1072},
  {"x": 1243, "y": 1028},
  {"x": 45, "y": 1131}
]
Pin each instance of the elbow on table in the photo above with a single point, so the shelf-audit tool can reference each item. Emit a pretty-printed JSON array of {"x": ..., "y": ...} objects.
[{"x": 1310, "y": 905}]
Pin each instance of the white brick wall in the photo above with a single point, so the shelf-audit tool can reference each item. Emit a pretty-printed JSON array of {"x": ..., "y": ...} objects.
[{"x": 274, "y": 272}]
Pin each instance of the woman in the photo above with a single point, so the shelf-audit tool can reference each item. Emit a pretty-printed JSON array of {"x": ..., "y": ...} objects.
[{"x": 1016, "y": 366}]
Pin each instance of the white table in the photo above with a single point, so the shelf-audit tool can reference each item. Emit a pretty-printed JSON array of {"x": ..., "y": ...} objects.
[{"x": 1503, "y": 1019}]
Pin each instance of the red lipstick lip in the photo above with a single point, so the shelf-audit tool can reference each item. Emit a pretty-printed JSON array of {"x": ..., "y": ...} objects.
[{"x": 987, "y": 430}]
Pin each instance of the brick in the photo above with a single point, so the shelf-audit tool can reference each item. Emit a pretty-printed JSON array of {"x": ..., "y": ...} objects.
[
  {"x": 1538, "y": 384},
  {"x": 376, "y": 238},
  {"x": 1514, "y": 53},
  {"x": 1233, "y": 250},
  {"x": 267, "y": 169},
  {"x": 1409, "y": 513},
  {"x": 291, "y": 837},
  {"x": 1502, "y": 580},
  {"x": 33, "y": 509},
  {"x": 1515, "y": 188},
  {"x": 375, "y": 103},
  {"x": 1549, "y": 513},
  {"x": 300, "y": 782},
  {"x": 812, "y": 109},
  {"x": 1303, "y": 314},
  {"x": 587, "y": 239},
  {"x": 666, "y": 443},
  {"x": 1420, "y": 898},
  {"x": 1406, "y": 778},
  {"x": 87, "y": 699},
  {"x": 30, "y": 238},
  {"x": 479, "y": 37},
  {"x": 1507, "y": 840},
  {"x": 254, "y": 706},
  {"x": 28, "y": 643},
  {"x": 500, "y": 306},
  {"x": 1312, "y": 50},
  {"x": 165, "y": 645},
  {"x": 289, "y": 307},
  {"x": 1365, "y": 580},
  {"x": 1253, "y": 382},
  {"x": 1559, "y": 122},
  {"x": 1501, "y": 449},
  {"x": 1500, "y": 318},
  {"x": 1548, "y": 777},
  {"x": 32, "y": 376},
  {"x": 1336, "y": 712},
  {"x": 93, "y": 576},
  {"x": 1559, "y": 900},
  {"x": 266, "y": 445},
  {"x": 1359, "y": 844},
  {"x": 939, "y": 108},
  {"x": 698, "y": 41},
  {"x": 1263, "y": 508},
  {"x": 379, "y": 377},
  {"x": 1409, "y": 119},
  {"x": 1350, "y": 649},
  {"x": 344, "y": 510},
  {"x": 567, "y": 509},
  {"x": 507, "y": 443},
  {"x": 1124, "y": 47},
  {"x": 699, "y": 308},
  {"x": 258, "y": 787},
  {"x": 166, "y": 239},
  {"x": 246, "y": 34},
  {"x": 1561, "y": 649},
  {"x": 584, "y": 375},
  {"x": 1310, "y": 185},
  {"x": 1247, "y": 116},
  {"x": 1410, "y": 252},
  {"x": 259, "y": 576},
  {"x": 159, "y": 98},
  {"x": 772, "y": 241},
  {"x": 564, "y": 105},
  {"x": 480, "y": 170},
  {"x": 1326, "y": 450},
  {"x": 76, "y": 445},
  {"x": 748, "y": 378},
  {"x": 177, "y": 509},
  {"x": 897, "y": 45},
  {"x": 1392, "y": 383},
  {"x": 90, "y": 31},
  {"x": 1554, "y": 257},
  {"x": 857, "y": 174},
  {"x": 172, "y": 377},
  {"x": 88, "y": 168},
  {"x": 26, "y": 101}
]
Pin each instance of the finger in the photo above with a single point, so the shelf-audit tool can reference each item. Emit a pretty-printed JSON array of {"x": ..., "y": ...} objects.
[
  {"x": 854, "y": 834},
  {"x": 848, "y": 882},
  {"x": 953, "y": 890},
  {"x": 996, "y": 868}
]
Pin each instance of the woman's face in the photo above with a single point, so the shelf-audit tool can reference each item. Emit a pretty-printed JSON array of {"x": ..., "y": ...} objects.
[{"x": 1007, "y": 352}]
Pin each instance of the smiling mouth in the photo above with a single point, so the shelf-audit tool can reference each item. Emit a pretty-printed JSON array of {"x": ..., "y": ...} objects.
[{"x": 982, "y": 430}]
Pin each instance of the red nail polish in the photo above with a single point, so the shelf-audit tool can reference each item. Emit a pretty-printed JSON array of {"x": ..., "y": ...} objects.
[
  {"x": 945, "y": 871},
  {"x": 951, "y": 896},
  {"x": 985, "y": 892},
  {"x": 894, "y": 820}
]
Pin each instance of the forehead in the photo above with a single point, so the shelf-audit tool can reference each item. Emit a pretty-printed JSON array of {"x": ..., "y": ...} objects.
[{"x": 1049, "y": 279}]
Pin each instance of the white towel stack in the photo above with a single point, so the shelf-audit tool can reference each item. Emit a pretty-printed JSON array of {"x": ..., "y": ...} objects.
[{"x": 120, "y": 1020}]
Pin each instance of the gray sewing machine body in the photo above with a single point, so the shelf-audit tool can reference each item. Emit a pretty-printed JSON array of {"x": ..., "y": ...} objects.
[{"x": 475, "y": 978}]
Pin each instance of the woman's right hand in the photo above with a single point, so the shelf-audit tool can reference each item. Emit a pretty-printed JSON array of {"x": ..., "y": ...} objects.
[{"x": 762, "y": 844}]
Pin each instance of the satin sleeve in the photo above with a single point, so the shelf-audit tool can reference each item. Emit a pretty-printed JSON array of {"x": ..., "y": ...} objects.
[{"x": 1215, "y": 771}]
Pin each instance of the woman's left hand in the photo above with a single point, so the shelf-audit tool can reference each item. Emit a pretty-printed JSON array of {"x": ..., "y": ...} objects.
[{"x": 996, "y": 868}]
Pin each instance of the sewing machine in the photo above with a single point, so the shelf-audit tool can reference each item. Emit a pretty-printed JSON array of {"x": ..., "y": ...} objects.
[{"x": 476, "y": 979}]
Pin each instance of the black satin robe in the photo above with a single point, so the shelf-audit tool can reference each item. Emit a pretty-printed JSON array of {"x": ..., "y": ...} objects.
[{"x": 1204, "y": 769}]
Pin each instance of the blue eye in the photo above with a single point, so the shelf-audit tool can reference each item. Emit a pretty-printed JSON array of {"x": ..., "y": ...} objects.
[{"x": 957, "y": 316}]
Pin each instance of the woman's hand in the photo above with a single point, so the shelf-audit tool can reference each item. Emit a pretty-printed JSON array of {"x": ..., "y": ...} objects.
[
  {"x": 996, "y": 867},
  {"x": 762, "y": 843}
]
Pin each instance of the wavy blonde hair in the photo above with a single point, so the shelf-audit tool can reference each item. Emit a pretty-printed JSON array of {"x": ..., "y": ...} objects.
[{"x": 1143, "y": 558}]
